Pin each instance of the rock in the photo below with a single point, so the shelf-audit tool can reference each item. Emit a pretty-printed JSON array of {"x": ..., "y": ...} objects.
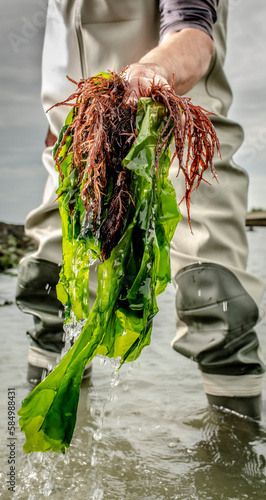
[{"x": 13, "y": 245}]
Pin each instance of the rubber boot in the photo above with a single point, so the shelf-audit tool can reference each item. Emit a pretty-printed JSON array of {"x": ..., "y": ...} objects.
[{"x": 36, "y": 295}]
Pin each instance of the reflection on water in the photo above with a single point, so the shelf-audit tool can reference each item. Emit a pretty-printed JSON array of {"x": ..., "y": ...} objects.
[
  {"x": 231, "y": 464},
  {"x": 122, "y": 451},
  {"x": 209, "y": 455},
  {"x": 146, "y": 432}
]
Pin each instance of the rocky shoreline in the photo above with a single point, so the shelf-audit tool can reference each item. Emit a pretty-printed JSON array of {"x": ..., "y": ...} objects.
[{"x": 13, "y": 245}]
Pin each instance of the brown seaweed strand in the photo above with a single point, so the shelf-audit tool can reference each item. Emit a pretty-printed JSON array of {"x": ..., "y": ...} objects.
[
  {"x": 191, "y": 129},
  {"x": 102, "y": 134},
  {"x": 111, "y": 229}
]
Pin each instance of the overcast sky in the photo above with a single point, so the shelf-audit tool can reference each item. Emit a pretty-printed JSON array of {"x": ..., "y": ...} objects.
[{"x": 23, "y": 124}]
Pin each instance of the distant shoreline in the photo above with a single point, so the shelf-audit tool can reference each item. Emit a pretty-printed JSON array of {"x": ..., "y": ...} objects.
[
  {"x": 13, "y": 245},
  {"x": 256, "y": 218}
]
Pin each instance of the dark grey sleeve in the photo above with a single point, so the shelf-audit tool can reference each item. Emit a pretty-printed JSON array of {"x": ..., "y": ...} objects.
[{"x": 179, "y": 14}]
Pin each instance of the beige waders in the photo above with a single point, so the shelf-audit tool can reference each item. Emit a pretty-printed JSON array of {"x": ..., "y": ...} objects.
[{"x": 217, "y": 300}]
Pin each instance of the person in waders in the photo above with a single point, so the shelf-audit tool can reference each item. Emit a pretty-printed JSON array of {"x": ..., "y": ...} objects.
[{"x": 217, "y": 300}]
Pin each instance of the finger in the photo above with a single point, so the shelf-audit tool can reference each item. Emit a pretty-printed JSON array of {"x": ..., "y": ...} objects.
[{"x": 141, "y": 79}]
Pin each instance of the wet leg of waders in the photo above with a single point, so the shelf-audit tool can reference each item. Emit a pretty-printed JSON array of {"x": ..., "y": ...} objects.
[
  {"x": 220, "y": 315},
  {"x": 36, "y": 295}
]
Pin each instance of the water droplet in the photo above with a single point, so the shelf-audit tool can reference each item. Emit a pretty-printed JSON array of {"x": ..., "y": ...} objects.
[
  {"x": 66, "y": 459},
  {"x": 48, "y": 287},
  {"x": 94, "y": 459},
  {"x": 44, "y": 374},
  {"x": 103, "y": 360},
  {"x": 97, "y": 435},
  {"x": 113, "y": 398},
  {"x": 129, "y": 373},
  {"x": 114, "y": 380},
  {"x": 199, "y": 293},
  {"x": 50, "y": 367},
  {"x": 47, "y": 490},
  {"x": 225, "y": 305},
  {"x": 172, "y": 445}
]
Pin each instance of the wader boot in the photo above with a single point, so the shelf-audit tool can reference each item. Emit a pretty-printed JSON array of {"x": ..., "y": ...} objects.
[{"x": 219, "y": 316}]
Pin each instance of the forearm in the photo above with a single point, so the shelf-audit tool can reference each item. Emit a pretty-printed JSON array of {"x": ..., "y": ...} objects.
[{"x": 186, "y": 54}]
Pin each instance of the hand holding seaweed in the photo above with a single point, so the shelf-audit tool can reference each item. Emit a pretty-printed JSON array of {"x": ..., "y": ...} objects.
[{"x": 117, "y": 205}]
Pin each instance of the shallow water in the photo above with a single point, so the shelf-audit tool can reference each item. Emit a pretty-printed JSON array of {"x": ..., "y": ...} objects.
[{"x": 146, "y": 433}]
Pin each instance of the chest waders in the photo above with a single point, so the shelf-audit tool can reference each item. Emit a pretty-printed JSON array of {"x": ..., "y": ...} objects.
[{"x": 217, "y": 300}]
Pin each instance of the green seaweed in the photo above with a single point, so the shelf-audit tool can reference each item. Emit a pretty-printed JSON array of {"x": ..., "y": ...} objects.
[{"x": 120, "y": 322}]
